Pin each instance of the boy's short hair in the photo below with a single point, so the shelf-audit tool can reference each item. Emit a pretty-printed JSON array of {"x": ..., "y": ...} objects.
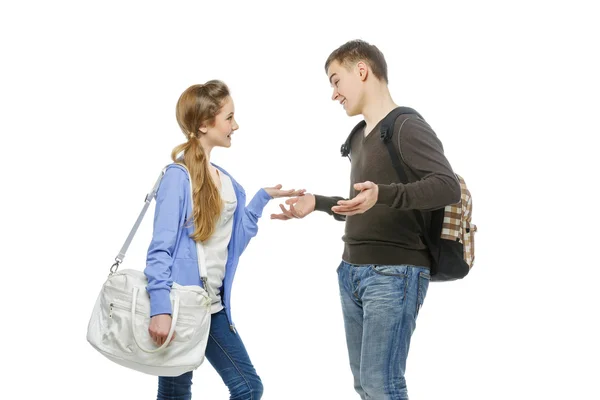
[{"x": 359, "y": 50}]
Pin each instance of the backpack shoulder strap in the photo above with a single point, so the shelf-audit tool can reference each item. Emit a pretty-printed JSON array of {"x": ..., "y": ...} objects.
[
  {"x": 387, "y": 128},
  {"x": 387, "y": 131},
  {"x": 387, "y": 125},
  {"x": 345, "y": 150}
]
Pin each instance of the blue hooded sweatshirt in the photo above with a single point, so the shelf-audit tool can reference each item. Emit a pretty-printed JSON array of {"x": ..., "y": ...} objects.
[{"x": 172, "y": 255}]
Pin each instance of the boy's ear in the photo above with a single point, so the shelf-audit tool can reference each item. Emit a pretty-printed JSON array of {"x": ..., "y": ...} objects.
[{"x": 363, "y": 70}]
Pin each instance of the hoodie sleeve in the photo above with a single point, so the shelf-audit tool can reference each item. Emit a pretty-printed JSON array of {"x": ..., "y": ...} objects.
[
  {"x": 252, "y": 212},
  {"x": 167, "y": 217}
]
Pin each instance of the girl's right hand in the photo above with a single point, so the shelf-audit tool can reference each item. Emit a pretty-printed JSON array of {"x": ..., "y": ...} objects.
[
  {"x": 159, "y": 328},
  {"x": 276, "y": 192}
]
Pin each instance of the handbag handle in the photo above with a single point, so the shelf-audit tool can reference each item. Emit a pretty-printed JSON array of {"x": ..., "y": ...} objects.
[{"x": 171, "y": 331}]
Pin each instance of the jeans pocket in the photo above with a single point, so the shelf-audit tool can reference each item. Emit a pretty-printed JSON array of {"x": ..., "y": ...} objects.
[
  {"x": 390, "y": 270},
  {"x": 424, "y": 279},
  {"x": 337, "y": 270}
]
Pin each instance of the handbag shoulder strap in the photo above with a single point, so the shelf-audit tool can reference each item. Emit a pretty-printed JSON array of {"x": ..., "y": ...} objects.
[{"x": 149, "y": 197}]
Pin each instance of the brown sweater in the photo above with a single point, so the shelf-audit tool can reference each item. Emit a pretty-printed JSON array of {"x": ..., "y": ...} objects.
[{"x": 388, "y": 233}]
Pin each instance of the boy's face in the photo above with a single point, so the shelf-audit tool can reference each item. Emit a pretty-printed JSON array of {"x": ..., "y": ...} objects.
[{"x": 347, "y": 84}]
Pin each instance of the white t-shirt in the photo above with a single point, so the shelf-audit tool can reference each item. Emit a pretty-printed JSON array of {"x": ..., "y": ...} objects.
[{"x": 215, "y": 248}]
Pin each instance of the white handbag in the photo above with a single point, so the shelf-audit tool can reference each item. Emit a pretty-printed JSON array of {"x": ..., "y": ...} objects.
[{"x": 118, "y": 327}]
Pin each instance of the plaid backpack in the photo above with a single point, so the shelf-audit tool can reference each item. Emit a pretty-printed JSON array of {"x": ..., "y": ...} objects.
[{"x": 450, "y": 236}]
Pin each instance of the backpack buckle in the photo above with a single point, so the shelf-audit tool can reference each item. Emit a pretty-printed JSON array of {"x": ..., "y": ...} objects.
[
  {"x": 385, "y": 134},
  {"x": 344, "y": 150}
]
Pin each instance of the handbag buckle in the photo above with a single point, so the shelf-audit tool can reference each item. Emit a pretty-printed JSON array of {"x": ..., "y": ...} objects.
[{"x": 115, "y": 266}]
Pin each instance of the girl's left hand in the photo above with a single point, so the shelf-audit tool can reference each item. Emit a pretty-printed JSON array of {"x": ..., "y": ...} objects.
[{"x": 276, "y": 192}]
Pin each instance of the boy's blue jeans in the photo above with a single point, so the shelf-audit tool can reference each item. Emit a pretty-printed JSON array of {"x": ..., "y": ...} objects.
[{"x": 380, "y": 304}]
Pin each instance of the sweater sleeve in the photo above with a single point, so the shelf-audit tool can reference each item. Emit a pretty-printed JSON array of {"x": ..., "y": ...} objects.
[
  {"x": 423, "y": 153},
  {"x": 324, "y": 203}
]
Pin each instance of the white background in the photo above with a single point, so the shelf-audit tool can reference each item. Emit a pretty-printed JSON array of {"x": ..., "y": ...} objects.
[{"x": 88, "y": 93}]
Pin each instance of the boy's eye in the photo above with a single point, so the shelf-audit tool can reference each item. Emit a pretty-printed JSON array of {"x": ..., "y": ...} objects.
[{"x": 336, "y": 83}]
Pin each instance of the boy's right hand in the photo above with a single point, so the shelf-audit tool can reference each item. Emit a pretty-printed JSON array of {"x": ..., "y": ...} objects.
[
  {"x": 299, "y": 207},
  {"x": 159, "y": 328}
]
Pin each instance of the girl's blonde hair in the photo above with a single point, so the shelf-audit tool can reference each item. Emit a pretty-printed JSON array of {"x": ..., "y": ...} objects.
[{"x": 199, "y": 105}]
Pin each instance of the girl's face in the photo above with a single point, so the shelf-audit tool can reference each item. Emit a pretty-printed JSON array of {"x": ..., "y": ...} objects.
[{"x": 219, "y": 135}]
